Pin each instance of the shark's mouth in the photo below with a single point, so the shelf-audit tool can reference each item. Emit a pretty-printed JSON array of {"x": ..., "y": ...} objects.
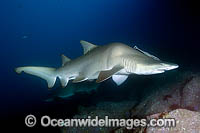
[
  {"x": 158, "y": 71},
  {"x": 168, "y": 66}
]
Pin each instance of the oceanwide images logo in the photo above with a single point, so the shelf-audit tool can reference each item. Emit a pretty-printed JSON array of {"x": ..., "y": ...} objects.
[{"x": 46, "y": 121}]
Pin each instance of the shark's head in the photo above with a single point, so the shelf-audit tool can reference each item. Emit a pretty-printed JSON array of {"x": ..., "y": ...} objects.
[
  {"x": 147, "y": 64},
  {"x": 156, "y": 68}
]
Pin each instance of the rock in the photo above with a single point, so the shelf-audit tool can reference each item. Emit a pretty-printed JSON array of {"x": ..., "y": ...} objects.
[
  {"x": 110, "y": 109},
  {"x": 186, "y": 122},
  {"x": 185, "y": 95},
  {"x": 179, "y": 99},
  {"x": 182, "y": 95}
]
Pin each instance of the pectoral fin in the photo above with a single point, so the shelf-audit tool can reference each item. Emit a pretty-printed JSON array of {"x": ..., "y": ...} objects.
[{"x": 107, "y": 74}]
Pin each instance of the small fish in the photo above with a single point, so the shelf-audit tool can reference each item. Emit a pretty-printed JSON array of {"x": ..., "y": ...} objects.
[{"x": 24, "y": 37}]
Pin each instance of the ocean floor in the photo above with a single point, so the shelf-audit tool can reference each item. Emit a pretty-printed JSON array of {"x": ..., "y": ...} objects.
[{"x": 179, "y": 99}]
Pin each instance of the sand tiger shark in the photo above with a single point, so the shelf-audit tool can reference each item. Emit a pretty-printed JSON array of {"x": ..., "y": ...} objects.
[{"x": 99, "y": 63}]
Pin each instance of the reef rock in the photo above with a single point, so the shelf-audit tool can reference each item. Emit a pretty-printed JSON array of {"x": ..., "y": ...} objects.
[
  {"x": 184, "y": 95},
  {"x": 186, "y": 122},
  {"x": 179, "y": 99},
  {"x": 110, "y": 109}
]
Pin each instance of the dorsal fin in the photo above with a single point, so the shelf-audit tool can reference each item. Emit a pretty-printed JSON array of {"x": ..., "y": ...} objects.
[
  {"x": 152, "y": 56},
  {"x": 64, "y": 59},
  {"x": 87, "y": 46}
]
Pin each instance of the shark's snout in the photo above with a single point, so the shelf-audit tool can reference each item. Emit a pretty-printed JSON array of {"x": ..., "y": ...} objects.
[{"x": 168, "y": 66}]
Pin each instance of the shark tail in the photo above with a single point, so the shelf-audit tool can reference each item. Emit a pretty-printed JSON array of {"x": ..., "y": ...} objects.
[{"x": 47, "y": 73}]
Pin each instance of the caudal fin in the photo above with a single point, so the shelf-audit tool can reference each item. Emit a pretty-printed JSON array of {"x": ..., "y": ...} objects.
[{"x": 43, "y": 72}]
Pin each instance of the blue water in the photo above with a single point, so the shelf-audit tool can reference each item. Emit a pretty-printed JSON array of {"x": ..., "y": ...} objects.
[{"x": 37, "y": 32}]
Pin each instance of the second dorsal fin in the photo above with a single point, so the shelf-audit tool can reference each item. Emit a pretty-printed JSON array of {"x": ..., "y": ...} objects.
[
  {"x": 87, "y": 46},
  {"x": 64, "y": 59}
]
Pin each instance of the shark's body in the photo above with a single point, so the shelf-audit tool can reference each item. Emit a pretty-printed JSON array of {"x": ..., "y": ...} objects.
[{"x": 114, "y": 60}]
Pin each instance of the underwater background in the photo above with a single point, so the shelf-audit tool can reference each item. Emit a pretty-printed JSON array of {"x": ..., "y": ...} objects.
[{"x": 37, "y": 32}]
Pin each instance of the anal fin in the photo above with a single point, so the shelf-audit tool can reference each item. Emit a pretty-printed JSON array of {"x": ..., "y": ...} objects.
[{"x": 64, "y": 82}]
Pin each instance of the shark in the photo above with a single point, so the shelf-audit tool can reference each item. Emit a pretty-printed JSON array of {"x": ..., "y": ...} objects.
[{"x": 101, "y": 62}]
